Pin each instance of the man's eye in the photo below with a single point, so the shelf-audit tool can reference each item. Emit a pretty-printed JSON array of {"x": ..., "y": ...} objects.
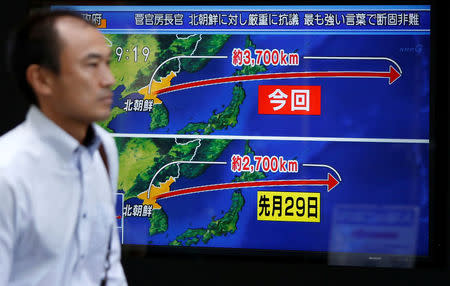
[{"x": 93, "y": 64}]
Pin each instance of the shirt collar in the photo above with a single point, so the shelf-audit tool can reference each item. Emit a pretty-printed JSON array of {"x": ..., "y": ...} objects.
[
  {"x": 59, "y": 140},
  {"x": 92, "y": 141}
]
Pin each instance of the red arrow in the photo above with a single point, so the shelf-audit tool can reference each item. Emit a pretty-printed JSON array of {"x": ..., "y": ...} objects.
[
  {"x": 331, "y": 182},
  {"x": 393, "y": 75}
]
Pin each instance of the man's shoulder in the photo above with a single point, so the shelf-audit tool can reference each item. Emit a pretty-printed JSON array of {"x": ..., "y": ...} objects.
[
  {"x": 106, "y": 138},
  {"x": 15, "y": 145}
]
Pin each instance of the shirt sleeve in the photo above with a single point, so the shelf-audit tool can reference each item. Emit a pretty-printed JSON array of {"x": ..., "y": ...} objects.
[
  {"x": 7, "y": 230},
  {"x": 116, "y": 275}
]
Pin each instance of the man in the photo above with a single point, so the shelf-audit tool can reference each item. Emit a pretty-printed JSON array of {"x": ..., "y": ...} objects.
[{"x": 58, "y": 170}]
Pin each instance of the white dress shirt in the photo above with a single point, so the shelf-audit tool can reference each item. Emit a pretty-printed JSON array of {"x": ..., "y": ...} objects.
[{"x": 57, "y": 206}]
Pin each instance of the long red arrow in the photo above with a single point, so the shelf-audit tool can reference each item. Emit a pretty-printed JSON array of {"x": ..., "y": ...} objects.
[
  {"x": 331, "y": 182},
  {"x": 392, "y": 74}
]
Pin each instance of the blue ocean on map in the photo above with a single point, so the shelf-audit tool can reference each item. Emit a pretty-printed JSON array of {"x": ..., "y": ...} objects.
[{"x": 379, "y": 174}]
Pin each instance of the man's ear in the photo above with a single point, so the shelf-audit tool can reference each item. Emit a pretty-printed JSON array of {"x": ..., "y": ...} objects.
[{"x": 40, "y": 79}]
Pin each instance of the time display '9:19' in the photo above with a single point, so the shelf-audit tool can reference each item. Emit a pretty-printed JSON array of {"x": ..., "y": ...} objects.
[{"x": 120, "y": 53}]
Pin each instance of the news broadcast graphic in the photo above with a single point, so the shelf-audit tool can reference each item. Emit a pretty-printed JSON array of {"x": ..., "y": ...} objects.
[{"x": 282, "y": 128}]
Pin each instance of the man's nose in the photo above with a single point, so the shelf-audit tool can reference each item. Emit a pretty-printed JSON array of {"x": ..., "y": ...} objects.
[{"x": 107, "y": 78}]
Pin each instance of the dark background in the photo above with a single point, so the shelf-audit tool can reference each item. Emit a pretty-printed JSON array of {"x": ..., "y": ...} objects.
[{"x": 145, "y": 267}]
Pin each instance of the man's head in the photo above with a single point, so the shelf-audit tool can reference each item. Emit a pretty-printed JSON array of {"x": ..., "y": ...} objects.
[{"x": 61, "y": 63}]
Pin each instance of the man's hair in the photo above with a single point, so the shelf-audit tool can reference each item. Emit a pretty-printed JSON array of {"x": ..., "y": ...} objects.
[{"x": 36, "y": 41}]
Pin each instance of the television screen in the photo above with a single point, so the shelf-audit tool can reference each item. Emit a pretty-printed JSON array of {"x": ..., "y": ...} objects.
[{"x": 282, "y": 129}]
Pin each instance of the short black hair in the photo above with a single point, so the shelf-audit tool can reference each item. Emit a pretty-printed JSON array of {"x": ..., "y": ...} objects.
[{"x": 36, "y": 41}]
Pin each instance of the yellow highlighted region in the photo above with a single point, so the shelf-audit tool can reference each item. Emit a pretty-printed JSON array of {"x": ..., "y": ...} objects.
[
  {"x": 288, "y": 206},
  {"x": 154, "y": 192},
  {"x": 156, "y": 85}
]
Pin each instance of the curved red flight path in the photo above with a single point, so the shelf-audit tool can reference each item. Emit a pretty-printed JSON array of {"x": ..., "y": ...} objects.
[
  {"x": 331, "y": 182},
  {"x": 392, "y": 74}
]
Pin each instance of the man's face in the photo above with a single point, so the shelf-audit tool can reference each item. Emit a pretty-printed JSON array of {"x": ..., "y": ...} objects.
[{"x": 82, "y": 89}]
